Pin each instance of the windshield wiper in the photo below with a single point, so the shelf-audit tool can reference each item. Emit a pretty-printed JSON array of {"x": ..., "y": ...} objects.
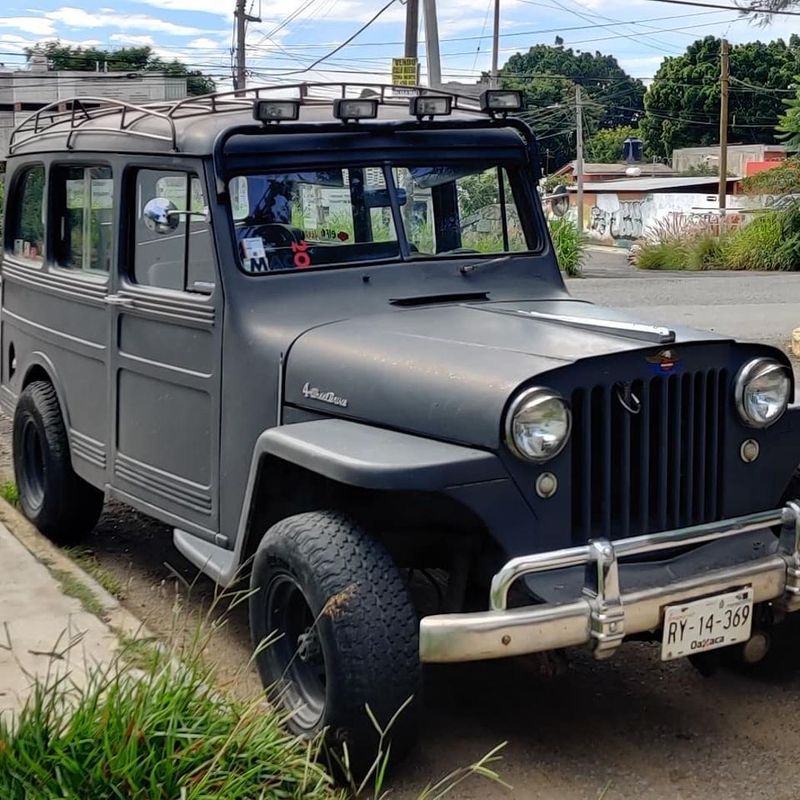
[{"x": 465, "y": 269}]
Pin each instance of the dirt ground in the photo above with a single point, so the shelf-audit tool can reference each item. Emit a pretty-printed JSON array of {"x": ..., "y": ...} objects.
[{"x": 628, "y": 728}]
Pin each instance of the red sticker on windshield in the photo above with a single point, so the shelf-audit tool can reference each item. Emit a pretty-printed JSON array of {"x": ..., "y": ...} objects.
[{"x": 301, "y": 258}]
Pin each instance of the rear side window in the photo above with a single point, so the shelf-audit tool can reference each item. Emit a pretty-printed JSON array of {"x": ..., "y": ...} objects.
[
  {"x": 172, "y": 247},
  {"x": 26, "y": 220},
  {"x": 84, "y": 197}
]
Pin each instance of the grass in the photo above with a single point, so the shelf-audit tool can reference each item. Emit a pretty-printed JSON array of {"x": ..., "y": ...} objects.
[
  {"x": 166, "y": 733},
  {"x": 771, "y": 241},
  {"x": 10, "y": 493},
  {"x": 72, "y": 586},
  {"x": 87, "y": 561},
  {"x": 569, "y": 244},
  {"x": 154, "y": 725}
]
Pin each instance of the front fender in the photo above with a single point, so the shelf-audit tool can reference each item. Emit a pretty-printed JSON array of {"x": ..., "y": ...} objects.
[{"x": 374, "y": 458}]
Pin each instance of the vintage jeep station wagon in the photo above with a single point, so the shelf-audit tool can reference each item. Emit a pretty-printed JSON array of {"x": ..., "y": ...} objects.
[{"x": 321, "y": 332}]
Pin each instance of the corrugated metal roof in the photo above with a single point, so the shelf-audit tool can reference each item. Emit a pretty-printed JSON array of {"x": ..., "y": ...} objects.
[{"x": 650, "y": 184}]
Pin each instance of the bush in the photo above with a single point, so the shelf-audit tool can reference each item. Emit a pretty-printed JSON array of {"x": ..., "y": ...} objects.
[
  {"x": 569, "y": 245},
  {"x": 662, "y": 255},
  {"x": 757, "y": 246},
  {"x": 705, "y": 252}
]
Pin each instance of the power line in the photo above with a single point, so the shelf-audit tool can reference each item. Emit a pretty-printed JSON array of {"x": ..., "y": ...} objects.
[{"x": 751, "y": 10}]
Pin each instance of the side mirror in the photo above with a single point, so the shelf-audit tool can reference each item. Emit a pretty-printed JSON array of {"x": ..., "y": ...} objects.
[{"x": 161, "y": 215}]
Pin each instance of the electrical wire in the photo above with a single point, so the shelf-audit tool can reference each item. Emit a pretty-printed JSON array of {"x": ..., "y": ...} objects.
[{"x": 728, "y": 8}]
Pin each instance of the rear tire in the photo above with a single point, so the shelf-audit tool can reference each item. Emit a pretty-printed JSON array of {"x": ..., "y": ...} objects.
[
  {"x": 363, "y": 648},
  {"x": 62, "y": 505}
]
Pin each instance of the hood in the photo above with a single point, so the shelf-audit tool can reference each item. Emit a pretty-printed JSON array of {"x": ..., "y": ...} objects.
[{"x": 449, "y": 371}]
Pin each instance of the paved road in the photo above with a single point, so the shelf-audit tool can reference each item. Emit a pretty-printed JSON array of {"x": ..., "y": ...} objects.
[
  {"x": 763, "y": 306},
  {"x": 629, "y": 728}
]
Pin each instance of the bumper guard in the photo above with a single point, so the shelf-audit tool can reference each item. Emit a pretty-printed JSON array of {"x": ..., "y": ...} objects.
[{"x": 602, "y": 616}]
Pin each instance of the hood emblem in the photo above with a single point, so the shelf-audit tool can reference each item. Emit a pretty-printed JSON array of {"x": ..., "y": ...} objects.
[
  {"x": 664, "y": 362},
  {"x": 312, "y": 393},
  {"x": 628, "y": 399}
]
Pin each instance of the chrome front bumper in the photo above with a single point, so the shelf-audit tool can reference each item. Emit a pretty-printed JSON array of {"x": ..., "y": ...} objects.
[{"x": 602, "y": 616}]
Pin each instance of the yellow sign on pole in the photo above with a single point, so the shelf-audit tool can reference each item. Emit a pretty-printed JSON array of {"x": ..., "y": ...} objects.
[{"x": 405, "y": 72}]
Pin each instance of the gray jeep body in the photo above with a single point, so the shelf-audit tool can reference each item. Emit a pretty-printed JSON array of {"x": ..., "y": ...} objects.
[{"x": 382, "y": 389}]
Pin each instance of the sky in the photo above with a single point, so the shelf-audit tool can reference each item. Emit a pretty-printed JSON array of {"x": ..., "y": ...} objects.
[{"x": 293, "y": 34}]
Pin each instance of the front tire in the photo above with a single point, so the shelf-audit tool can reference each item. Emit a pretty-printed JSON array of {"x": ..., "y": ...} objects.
[
  {"x": 62, "y": 505},
  {"x": 348, "y": 634}
]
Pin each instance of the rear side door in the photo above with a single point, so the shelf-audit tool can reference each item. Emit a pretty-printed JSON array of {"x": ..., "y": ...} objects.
[{"x": 166, "y": 324}]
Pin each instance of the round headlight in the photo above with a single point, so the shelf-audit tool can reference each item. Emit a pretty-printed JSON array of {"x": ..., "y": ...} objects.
[
  {"x": 762, "y": 392},
  {"x": 538, "y": 425}
]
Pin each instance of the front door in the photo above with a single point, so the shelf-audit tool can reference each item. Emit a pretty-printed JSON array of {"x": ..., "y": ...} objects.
[{"x": 166, "y": 344}]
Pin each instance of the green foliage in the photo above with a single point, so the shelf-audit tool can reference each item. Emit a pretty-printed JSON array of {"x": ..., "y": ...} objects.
[
  {"x": 770, "y": 242},
  {"x": 164, "y": 734},
  {"x": 612, "y": 97},
  {"x": 682, "y": 103},
  {"x": 605, "y": 146},
  {"x": 88, "y": 562},
  {"x": 757, "y": 246},
  {"x": 126, "y": 59},
  {"x": 10, "y": 493},
  {"x": 477, "y": 191},
  {"x": 569, "y": 244},
  {"x": 662, "y": 255},
  {"x": 549, "y": 183},
  {"x": 783, "y": 179}
]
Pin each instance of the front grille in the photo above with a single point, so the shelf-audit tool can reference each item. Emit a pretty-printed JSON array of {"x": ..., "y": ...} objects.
[{"x": 654, "y": 470}]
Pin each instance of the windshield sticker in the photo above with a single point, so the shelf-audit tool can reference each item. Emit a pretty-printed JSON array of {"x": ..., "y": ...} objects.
[
  {"x": 254, "y": 256},
  {"x": 327, "y": 235},
  {"x": 301, "y": 258}
]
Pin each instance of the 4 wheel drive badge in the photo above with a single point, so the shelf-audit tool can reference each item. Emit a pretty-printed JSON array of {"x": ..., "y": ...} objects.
[
  {"x": 312, "y": 393},
  {"x": 664, "y": 362},
  {"x": 628, "y": 400}
]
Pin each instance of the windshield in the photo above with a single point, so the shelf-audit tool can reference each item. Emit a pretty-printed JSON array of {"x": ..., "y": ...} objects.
[{"x": 344, "y": 216}]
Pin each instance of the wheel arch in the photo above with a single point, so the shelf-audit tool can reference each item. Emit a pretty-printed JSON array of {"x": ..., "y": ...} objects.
[{"x": 40, "y": 367}]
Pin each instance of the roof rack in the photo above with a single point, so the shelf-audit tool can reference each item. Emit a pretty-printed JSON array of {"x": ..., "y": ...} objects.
[{"x": 71, "y": 115}]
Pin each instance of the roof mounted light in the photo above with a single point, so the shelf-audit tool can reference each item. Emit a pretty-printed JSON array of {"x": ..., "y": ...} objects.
[
  {"x": 501, "y": 101},
  {"x": 363, "y": 108},
  {"x": 276, "y": 110},
  {"x": 430, "y": 106}
]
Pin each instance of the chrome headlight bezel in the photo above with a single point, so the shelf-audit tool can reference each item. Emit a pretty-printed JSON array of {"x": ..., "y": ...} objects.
[
  {"x": 752, "y": 370},
  {"x": 532, "y": 398}
]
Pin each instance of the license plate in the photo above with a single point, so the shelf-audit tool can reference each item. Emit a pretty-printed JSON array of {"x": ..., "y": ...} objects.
[{"x": 706, "y": 624}]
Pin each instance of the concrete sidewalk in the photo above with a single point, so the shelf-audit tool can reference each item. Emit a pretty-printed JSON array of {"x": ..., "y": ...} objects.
[{"x": 43, "y": 631}]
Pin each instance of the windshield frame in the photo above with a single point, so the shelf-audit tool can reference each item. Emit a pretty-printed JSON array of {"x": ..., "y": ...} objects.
[{"x": 521, "y": 191}]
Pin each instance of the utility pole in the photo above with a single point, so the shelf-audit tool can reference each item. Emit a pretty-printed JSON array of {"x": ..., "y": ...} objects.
[
  {"x": 724, "y": 74},
  {"x": 412, "y": 28},
  {"x": 242, "y": 18},
  {"x": 432, "y": 44},
  {"x": 579, "y": 155},
  {"x": 494, "y": 81}
]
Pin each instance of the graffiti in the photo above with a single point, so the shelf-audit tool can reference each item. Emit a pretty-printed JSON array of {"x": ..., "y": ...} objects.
[
  {"x": 627, "y": 222},
  {"x": 599, "y": 221},
  {"x": 624, "y": 223}
]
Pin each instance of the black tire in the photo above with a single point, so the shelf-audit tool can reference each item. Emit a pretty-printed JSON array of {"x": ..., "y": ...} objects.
[
  {"x": 62, "y": 505},
  {"x": 323, "y": 566}
]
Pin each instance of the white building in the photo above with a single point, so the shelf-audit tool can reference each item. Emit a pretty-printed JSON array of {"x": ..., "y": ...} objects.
[{"x": 23, "y": 91}]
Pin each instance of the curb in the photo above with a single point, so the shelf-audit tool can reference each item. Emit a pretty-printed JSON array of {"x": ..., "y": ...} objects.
[{"x": 114, "y": 614}]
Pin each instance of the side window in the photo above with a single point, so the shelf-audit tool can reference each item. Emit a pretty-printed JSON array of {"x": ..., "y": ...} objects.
[
  {"x": 26, "y": 220},
  {"x": 84, "y": 238},
  {"x": 172, "y": 246}
]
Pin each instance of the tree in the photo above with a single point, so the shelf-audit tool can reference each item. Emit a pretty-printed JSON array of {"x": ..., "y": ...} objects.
[
  {"x": 682, "y": 103},
  {"x": 547, "y": 77},
  {"x": 126, "y": 59},
  {"x": 605, "y": 146}
]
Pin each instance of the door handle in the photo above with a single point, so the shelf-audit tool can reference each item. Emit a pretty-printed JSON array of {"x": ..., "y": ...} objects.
[{"x": 118, "y": 300}]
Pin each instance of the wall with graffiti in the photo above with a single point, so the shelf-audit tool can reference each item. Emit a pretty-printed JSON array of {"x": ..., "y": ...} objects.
[{"x": 623, "y": 219}]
